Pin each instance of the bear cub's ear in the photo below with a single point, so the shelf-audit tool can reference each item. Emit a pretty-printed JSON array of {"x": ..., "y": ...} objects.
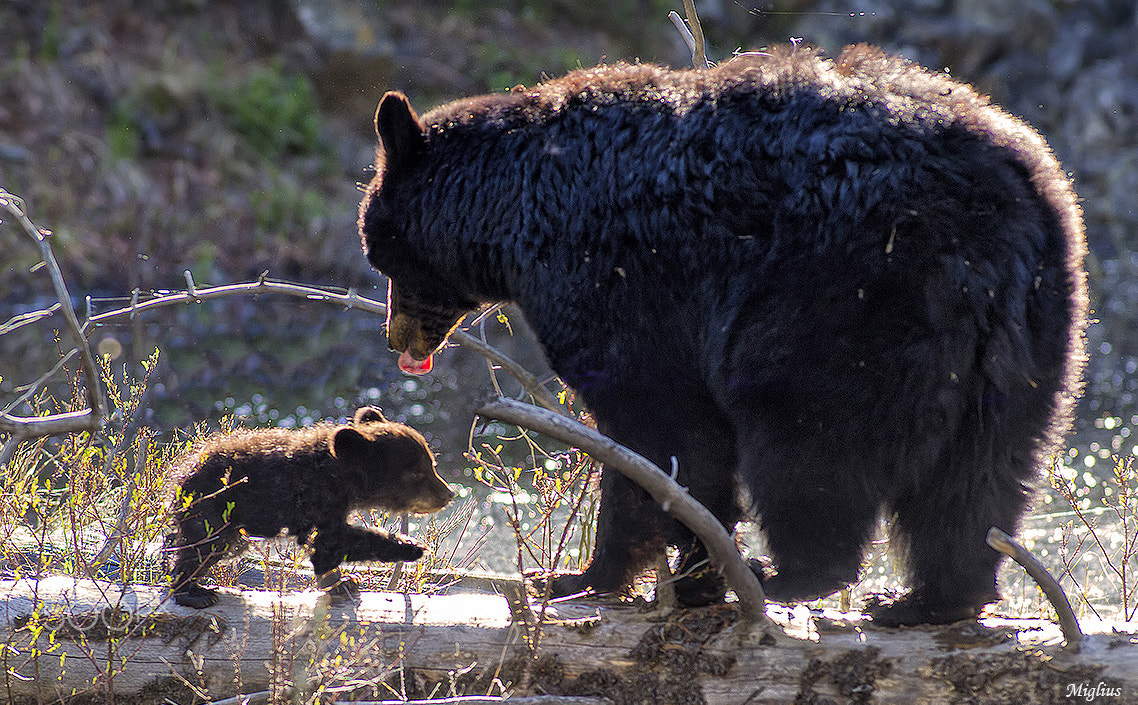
[
  {"x": 351, "y": 446},
  {"x": 399, "y": 129},
  {"x": 368, "y": 414}
]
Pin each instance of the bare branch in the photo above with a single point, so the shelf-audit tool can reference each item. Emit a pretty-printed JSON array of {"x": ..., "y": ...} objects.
[
  {"x": 1068, "y": 623},
  {"x": 23, "y": 429},
  {"x": 674, "y": 498},
  {"x": 27, "y": 318},
  {"x": 685, "y": 33},
  {"x": 89, "y": 419},
  {"x": 348, "y": 300},
  {"x": 692, "y": 33},
  {"x": 30, "y": 389}
]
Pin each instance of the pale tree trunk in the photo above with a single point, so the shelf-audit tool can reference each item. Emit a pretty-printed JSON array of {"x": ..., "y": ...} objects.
[{"x": 293, "y": 644}]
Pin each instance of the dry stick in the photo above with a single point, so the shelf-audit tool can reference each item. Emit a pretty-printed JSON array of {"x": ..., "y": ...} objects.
[
  {"x": 89, "y": 419},
  {"x": 59, "y": 424},
  {"x": 257, "y": 698},
  {"x": 685, "y": 34},
  {"x": 25, "y": 319},
  {"x": 693, "y": 36},
  {"x": 397, "y": 571},
  {"x": 118, "y": 531},
  {"x": 29, "y": 390},
  {"x": 1069, "y": 625},
  {"x": 674, "y": 498},
  {"x": 699, "y": 59},
  {"x": 351, "y": 299}
]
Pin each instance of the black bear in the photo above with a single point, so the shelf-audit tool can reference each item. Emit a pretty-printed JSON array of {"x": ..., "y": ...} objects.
[
  {"x": 853, "y": 284},
  {"x": 258, "y": 482}
]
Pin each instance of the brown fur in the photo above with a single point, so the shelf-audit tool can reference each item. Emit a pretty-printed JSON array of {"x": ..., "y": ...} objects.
[{"x": 258, "y": 482}]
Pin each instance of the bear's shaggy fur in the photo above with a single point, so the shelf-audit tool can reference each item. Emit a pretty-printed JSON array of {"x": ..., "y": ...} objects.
[
  {"x": 258, "y": 482},
  {"x": 854, "y": 284}
]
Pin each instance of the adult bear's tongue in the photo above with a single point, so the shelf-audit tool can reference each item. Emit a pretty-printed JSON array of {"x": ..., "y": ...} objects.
[{"x": 412, "y": 366}]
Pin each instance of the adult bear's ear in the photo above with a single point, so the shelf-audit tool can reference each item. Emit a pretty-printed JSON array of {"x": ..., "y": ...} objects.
[
  {"x": 399, "y": 129},
  {"x": 368, "y": 414}
]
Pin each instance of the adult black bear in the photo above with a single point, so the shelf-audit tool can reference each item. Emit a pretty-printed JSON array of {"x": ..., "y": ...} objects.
[
  {"x": 258, "y": 482},
  {"x": 854, "y": 284}
]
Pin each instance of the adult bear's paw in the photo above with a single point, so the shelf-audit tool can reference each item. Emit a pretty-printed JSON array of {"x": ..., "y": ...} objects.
[
  {"x": 557, "y": 584},
  {"x": 699, "y": 587},
  {"x": 911, "y": 610},
  {"x": 567, "y": 584},
  {"x": 801, "y": 584}
]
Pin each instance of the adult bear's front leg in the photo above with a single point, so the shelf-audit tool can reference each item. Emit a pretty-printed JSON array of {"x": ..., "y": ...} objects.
[
  {"x": 629, "y": 536},
  {"x": 632, "y": 529}
]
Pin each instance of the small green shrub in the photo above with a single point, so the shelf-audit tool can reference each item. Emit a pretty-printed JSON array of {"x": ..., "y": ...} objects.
[{"x": 274, "y": 111}]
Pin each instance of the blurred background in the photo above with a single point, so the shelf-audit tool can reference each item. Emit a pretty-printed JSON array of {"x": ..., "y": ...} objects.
[{"x": 229, "y": 138}]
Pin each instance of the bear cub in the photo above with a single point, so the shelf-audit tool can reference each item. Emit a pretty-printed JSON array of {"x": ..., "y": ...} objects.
[{"x": 258, "y": 482}]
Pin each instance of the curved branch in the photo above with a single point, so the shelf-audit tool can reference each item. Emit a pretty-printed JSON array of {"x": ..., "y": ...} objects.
[
  {"x": 89, "y": 419},
  {"x": 685, "y": 34},
  {"x": 1068, "y": 623},
  {"x": 674, "y": 498}
]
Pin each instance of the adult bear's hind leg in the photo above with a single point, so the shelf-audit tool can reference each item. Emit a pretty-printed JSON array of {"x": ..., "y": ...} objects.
[
  {"x": 816, "y": 543},
  {"x": 942, "y": 530},
  {"x": 818, "y": 513}
]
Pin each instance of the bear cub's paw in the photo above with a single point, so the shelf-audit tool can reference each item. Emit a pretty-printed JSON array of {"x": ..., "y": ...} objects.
[
  {"x": 404, "y": 549},
  {"x": 196, "y": 596}
]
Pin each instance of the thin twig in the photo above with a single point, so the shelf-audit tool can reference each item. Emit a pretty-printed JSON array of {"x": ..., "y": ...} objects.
[
  {"x": 692, "y": 32},
  {"x": 28, "y": 318},
  {"x": 118, "y": 531},
  {"x": 1068, "y": 623},
  {"x": 351, "y": 299},
  {"x": 30, "y": 389},
  {"x": 685, "y": 33},
  {"x": 699, "y": 59}
]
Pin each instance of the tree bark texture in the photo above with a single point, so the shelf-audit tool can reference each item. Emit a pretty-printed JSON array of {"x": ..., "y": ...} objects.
[{"x": 64, "y": 636}]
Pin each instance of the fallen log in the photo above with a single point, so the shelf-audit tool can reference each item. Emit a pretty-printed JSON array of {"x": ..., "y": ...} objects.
[{"x": 66, "y": 639}]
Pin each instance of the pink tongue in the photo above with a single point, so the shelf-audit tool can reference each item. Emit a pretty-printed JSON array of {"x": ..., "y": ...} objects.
[{"x": 412, "y": 366}]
